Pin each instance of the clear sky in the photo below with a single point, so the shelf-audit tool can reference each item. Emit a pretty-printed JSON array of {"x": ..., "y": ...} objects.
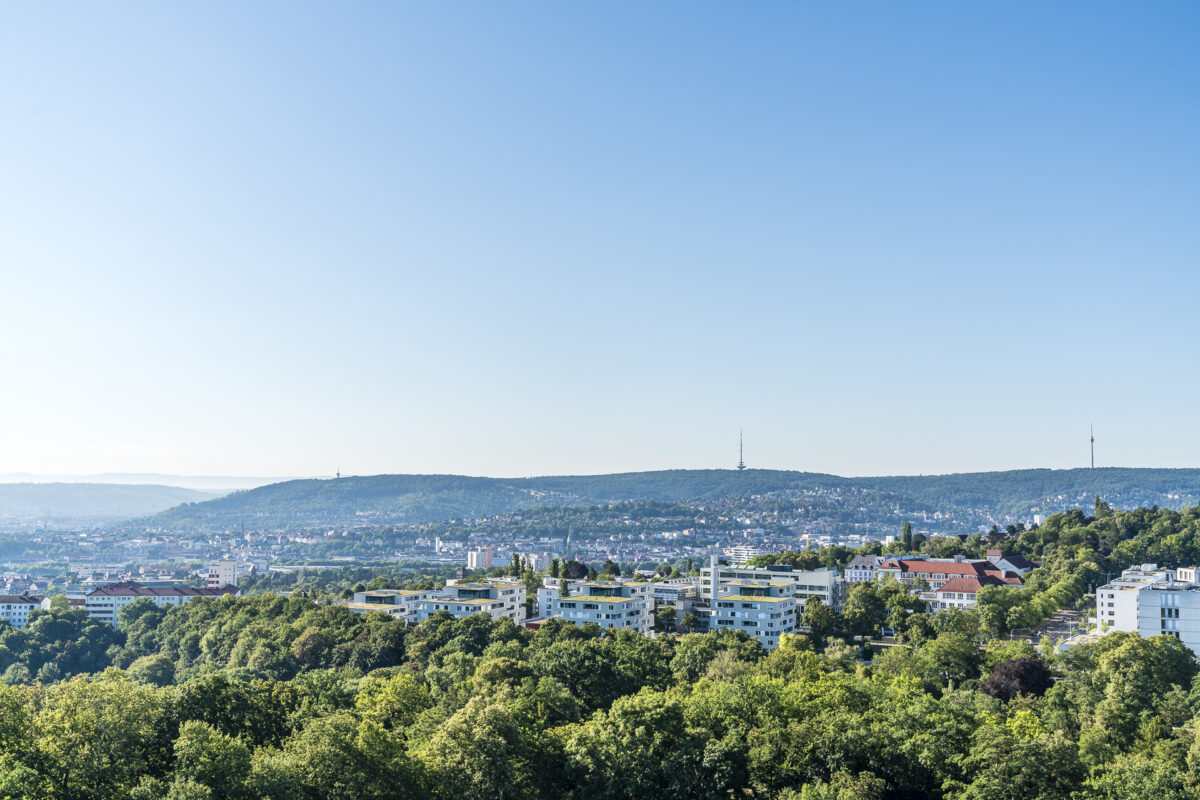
[{"x": 519, "y": 238}]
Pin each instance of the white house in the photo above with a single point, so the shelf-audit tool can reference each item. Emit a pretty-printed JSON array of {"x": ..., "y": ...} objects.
[
  {"x": 862, "y": 568},
  {"x": 959, "y": 592}
]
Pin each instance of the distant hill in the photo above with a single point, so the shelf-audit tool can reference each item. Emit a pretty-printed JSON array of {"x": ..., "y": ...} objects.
[
  {"x": 214, "y": 484},
  {"x": 1017, "y": 491},
  {"x": 79, "y": 503},
  {"x": 427, "y": 498}
]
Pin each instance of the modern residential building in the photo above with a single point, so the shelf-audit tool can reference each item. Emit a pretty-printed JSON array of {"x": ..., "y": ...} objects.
[
  {"x": 763, "y": 609},
  {"x": 546, "y": 594},
  {"x": 823, "y": 583},
  {"x": 609, "y": 604},
  {"x": 105, "y": 602},
  {"x": 1150, "y": 601},
  {"x": 680, "y": 593},
  {"x": 481, "y": 558},
  {"x": 222, "y": 573},
  {"x": 494, "y": 598},
  {"x": 16, "y": 608},
  {"x": 400, "y": 603}
]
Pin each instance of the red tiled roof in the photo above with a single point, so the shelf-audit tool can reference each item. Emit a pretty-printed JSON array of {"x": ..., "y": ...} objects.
[
  {"x": 968, "y": 585},
  {"x": 1004, "y": 576},
  {"x": 135, "y": 589},
  {"x": 936, "y": 567}
]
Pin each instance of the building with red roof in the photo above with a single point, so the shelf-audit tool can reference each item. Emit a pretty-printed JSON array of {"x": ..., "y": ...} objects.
[{"x": 106, "y": 602}]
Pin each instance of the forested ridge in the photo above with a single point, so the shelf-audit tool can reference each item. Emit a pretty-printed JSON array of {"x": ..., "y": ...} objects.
[
  {"x": 273, "y": 697},
  {"x": 429, "y": 498}
]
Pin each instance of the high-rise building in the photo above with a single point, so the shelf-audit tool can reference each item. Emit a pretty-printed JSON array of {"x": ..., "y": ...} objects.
[{"x": 480, "y": 559}]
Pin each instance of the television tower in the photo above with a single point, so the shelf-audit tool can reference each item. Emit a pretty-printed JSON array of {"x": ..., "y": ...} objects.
[
  {"x": 1092, "y": 433},
  {"x": 741, "y": 459}
]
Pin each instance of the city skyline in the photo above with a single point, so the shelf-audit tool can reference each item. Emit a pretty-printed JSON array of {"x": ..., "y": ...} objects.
[{"x": 532, "y": 239}]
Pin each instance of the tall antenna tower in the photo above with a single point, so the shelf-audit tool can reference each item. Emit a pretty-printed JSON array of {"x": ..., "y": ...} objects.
[
  {"x": 741, "y": 459},
  {"x": 1092, "y": 434}
]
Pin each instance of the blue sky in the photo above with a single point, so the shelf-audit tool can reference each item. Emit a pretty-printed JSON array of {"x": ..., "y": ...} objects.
[{"x": 529, "y": 238}]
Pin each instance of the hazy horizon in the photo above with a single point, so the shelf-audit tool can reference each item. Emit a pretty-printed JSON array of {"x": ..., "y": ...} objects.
[{"x": 545, "y": 239}]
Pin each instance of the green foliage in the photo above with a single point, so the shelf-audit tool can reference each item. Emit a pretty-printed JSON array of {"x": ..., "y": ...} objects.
[{"x": 272, "y": 697}]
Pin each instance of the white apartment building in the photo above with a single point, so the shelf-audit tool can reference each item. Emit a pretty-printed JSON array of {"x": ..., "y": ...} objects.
[
  {"x": 400, "y": 603},
  {"x": 105, "y": 603},
  {"x": 481, "y": 558},
  {"x": 740, "y": 554},
  {"x": 15, "y": 609},
  {"x": 823, "y": 583},
  {"x": 222, "y": 573},
  {"x": 609, "y": 604},
  {"x": 763, "y": 609},
  {"x": 1150, "y": 601},
  {"x": 494, "y": 598},
  {"x": 538, "y": 562},
  {"x": 547, "y": 593}
]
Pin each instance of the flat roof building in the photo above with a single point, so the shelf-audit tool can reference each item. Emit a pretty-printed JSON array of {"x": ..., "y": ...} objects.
[
  {"x": 609, "y": 604},
  {"x": 823, "y": 583},
  {"x": 763, "y": 609},
  {"x": 400, "y": 603},
  {"x": 494, "y": 598}
]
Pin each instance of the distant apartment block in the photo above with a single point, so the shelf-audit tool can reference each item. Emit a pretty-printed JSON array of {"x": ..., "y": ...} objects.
[
  {"x": 16, "y": 608},
  {"x": 105, "y": 603},
  {"x": 480, "y": 559},
  {"x": 609, "y": 604},
  {"x": 494, "y": 598},
  {"x": 538, "y": 562},
  {"x": 740, "y": 554},
  {"x": 222, "y": 573}
]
